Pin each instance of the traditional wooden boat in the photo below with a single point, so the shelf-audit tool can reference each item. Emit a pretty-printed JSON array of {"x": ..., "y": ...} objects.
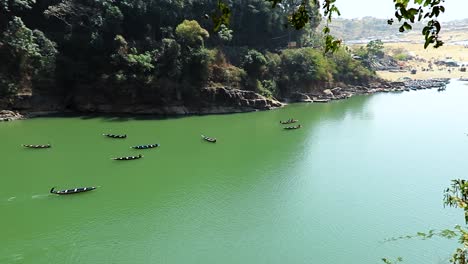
[
  {"x": 72, "y": 191},
  {"x": 293, "y": 127},
  {"x": 37, "y": 146},
  {"x": 212, "y": 140},
  {"x": 129, "y": 157},
  {"x": 145, "y": 146},
  {"x": 289, "y": 121},
  {"x": 115, "y": 136}
]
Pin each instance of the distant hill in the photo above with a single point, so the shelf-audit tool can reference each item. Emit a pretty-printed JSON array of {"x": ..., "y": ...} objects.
[{"x": 361, "y": 30}]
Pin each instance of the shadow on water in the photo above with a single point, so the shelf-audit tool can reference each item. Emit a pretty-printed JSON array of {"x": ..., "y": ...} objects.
[{"x": 351, "y": 107}]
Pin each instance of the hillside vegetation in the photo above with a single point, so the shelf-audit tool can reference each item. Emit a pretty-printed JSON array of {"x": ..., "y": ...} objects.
[{"x": 161, "y": 51}]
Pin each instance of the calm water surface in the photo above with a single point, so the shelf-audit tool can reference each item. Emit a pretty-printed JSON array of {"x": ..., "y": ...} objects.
[{"x": 358, "y": 172}]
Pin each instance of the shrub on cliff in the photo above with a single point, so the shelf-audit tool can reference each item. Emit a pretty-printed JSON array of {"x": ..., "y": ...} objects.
[
  {"x": 302, "y": 69},
  {"x": 348, "y": 70},
  {"x": 26, "y": 56},
  {"x": 190, "y": 33}
]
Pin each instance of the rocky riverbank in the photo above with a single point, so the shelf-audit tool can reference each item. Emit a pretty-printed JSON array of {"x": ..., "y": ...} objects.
[
  {"x": 219, "y": 100},
  {"x": 347, "y": 91},
  {"x": 7, "y": 115}
]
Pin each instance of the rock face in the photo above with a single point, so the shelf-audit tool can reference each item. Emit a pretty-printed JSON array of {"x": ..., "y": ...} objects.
[
  {"x": 300, "y": 97},
  {"x": 7, "y": 115},
  {"x": 223, "y": 100},
  {"x": 210, "y": 100}
]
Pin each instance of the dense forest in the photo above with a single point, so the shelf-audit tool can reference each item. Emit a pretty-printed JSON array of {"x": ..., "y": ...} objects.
[{"x": 161, "y": 51}]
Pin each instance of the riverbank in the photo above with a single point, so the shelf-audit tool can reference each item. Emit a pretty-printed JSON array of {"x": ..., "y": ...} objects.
[
  {"x": 8, "y": 115},
  {"x": 215, "y": 101},
  {"x": 339, "y": 93},
  {"x": 424, "y": 61}
]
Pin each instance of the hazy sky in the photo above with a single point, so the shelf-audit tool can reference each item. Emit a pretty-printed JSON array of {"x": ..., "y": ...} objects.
[{"x": 454, "y": 9}]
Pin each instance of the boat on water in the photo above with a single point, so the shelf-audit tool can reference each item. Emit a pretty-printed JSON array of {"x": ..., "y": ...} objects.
[
  {"x": 293, "y": 127},
  {"x": 289, "y": 121},
  {"x": 37, "y": 146},
  {"x": 145, "y": 146},
  {"x": 115, "y": 136},
  {"x": 212, "y": 140},
  {"x": 129, "y": 157},
  {"x": 72, "y": 191}
]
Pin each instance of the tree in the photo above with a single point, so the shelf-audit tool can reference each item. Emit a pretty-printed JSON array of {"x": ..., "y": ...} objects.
[
  {"x": 225, "y": 34},
  {"x": 457, "y": 196},
  {"x": 375, "y": 48},
  {"x": 190, "y": 33},
  {"x": 302, "y": 69},
  {"x": 254, "y": 63}
]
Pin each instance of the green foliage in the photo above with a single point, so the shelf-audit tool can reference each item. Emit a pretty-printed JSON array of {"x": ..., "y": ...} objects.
[
  {"x": 401, "y": 57},
  {"x": 158, "y": 44},
  {"x": 457, "y": 196},
  {"x": 225, "y": 34},
  {"x": 375, "y": 48},
  {"x": 31, "y": 56},
  {"x": 428, "y": 9},
  {"x": 222, "y": 16},
  {"x": 190, "y": 33},
  {"x": 20, "y": 39},
  {"x": 273, "y": 62},
  {"x": 454, "y": 196},
  {"x": 47, "y": 54},
  {"x": 302, "y": 66},
  {"x": 131, "y": 64},
  {"x": 254, "y": 63},
  {"x": 168, "y": 60},
  {"x": 9, "y": 5},
  {"x": 8, "y": 86},
  {"x": 371, "y": 52},
  {"x": 301, "y": 14},
  {"x": 196, "y": 69},
  {"x": 348, "y": 70},
  {"x": 142, "y": 61},
  {"x": 269, "y": 88}
]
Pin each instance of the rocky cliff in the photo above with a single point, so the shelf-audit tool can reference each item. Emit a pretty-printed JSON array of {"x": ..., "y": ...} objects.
[{"x": 210, "y": 101}]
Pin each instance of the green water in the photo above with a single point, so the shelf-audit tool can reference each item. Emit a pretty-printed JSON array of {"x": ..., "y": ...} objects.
[{"x": 359, "y": 171}]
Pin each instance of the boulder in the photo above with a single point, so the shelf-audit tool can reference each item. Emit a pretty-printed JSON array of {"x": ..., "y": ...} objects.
[
  {"x": 328, "y": 93},
  {"x": 8, "y": 115}
]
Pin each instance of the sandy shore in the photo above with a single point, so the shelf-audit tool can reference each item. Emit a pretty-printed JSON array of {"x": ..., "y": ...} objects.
[
  {"x": 422, "y": 75},
  {"x": 423, "y": 56}
]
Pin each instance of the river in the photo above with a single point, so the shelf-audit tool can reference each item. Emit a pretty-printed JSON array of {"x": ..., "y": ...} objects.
[{"x": 359, "y": 171}]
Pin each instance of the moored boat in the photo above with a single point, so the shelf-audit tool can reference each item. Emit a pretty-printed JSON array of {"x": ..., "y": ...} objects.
[
  {"x": 72, "y": 191},
  {"x": 129, "y": 157},
  {"x": 115, "y": 136},
  {"x": 145, "y": 146},
  {"x": 37, "y": 146},
  {"x": 212, "y": 140},
  {"x": 289, "y": 121},
  {"x": 293, "y": 127}
]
